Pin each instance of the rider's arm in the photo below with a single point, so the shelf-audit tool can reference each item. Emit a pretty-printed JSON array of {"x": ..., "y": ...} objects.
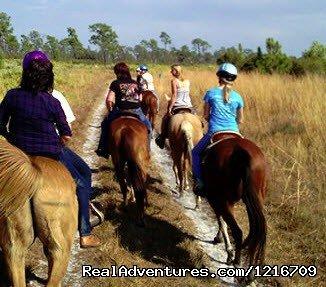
[
  {"x": 240, "y": 116},
  {"x": 60, "y": 119},
  {"x": 4, "y": 116},
  {"x": 174, "y": 95},
  {"x": 207, "y": 111},
  {"x": 110, "y": 100}
]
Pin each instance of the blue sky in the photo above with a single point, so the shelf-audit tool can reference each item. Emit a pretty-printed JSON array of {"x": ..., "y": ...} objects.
[{"x": 295, "y": 23}]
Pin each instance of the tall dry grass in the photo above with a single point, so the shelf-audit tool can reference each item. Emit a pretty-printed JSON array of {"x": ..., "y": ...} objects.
[
  {"x": 285, "y": 117},
  {"x": 70, "y": 78}
]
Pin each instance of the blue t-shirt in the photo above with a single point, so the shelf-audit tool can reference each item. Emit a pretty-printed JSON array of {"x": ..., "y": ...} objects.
[{"x": 223, "y": 115}]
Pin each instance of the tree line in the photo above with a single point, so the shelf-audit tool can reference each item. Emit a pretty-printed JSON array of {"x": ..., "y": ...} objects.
[{"x": 107, "y": 49}]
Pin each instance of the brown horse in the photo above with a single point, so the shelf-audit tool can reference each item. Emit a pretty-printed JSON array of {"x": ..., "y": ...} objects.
[
  {"x": 185, "y": 130},
  {"x": 150, "y": 106},
  {"x": 128, "y": 143},
  {"x": 234, "y": 168},
  {"x": 37, "y": 199}
]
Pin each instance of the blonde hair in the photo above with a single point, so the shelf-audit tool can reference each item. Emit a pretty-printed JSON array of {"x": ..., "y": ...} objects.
[
  {"x": 227, "y": 87},
  {"x": 178, "y": 68}
]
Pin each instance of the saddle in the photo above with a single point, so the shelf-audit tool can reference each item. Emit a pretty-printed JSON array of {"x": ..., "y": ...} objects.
[
  {"x": 128, "y": 114},
  {"x": 216, "y": 138},
  {"x": 181, "y": 110},
  {"x": 220, "y": 136}
]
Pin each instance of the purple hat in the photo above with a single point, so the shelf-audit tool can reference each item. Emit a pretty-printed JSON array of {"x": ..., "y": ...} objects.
[{"x": 34, "y": 55}]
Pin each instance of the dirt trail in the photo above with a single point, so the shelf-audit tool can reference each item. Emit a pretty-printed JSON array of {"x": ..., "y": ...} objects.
[{"x": 203, "y": 219}]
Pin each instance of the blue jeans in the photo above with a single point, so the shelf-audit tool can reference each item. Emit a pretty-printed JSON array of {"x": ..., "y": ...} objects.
[
  {"x": 82, "y": 175},
  {"x": 196, "y": 156},
  {"x": 114, "y": 114}
]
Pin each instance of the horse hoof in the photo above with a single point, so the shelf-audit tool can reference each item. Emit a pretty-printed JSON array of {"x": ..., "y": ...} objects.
[{"x": 217, "y": 240}]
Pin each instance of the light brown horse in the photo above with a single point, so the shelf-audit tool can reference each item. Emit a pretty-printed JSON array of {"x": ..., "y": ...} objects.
[
  {"x": 149, "y": 106},
  {"x": 235, "y": 168},
  {"x": 128, "y": 144},
  {"x": 37, "y": 199},
  {"x": 185, "y": 130}
]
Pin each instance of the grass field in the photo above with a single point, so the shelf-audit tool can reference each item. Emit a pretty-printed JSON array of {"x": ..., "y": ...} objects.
[{"x": 283, "y": 115}]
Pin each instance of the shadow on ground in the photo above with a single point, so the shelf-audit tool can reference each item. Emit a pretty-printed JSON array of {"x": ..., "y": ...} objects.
[{"x": 159, "y": 242}]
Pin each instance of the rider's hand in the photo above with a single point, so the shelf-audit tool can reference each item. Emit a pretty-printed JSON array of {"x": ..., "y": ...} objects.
[{"x": 64, "y": 139}]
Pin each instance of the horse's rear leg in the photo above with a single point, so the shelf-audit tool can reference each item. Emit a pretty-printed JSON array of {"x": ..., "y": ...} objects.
[
  {"x": 175, "y": 170},
  {"x": 121, "y": 176},
  {"x": 185, "y": 168},
  {"x": 220, "y": 235},
  {"x": 237, "y": 235},
  {"x": 56, "y": 227},
  {"x": 16, "y": 235}
]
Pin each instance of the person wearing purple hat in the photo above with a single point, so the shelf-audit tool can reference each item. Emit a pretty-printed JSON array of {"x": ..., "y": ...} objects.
[{"x": 34, "y": 121}]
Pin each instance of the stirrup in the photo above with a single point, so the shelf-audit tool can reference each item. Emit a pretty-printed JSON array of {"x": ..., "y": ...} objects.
[{"x": 99, "y": 215}]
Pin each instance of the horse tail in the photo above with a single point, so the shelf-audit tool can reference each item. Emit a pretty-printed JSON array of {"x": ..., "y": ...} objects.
[
  {"x": 187, "y": 131},
  {"x": 256, "y": 240},
  {"x": 20, "y": 178}
]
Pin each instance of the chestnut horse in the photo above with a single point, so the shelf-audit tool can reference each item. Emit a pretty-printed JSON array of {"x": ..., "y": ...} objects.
[
  {"x": 128, "y": 144},
  {"x": 235, "y": 168},
  {"x": 37, "y": 199},
  {"x": 185, "y": 130},
  {"x": 149, "y": 106}
]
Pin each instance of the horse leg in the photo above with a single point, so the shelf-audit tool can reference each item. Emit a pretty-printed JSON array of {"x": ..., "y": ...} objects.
[
  {"x": 236, "y": 234},
  {"x": 219, "y": 236},
  {"x": 175, "y": 170},
  {"x": 185, "y": 172},
  {"x": 120, "y": 173},
  {"x": 180, "y": 175},
  {"x": 57, "y": 232},
  {"x": 198, "y": 201},
  {"x": 16, "y": 235},
  {"x": 132, "y": 195}
]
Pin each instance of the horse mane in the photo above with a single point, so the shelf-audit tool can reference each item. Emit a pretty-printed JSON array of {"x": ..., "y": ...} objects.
[{"x": 20, "y": 178}]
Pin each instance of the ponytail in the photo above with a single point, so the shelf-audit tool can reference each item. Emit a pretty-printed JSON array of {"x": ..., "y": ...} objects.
[
  {"x": 226, "y": 93},
  {"x": 226, "y": 89}
]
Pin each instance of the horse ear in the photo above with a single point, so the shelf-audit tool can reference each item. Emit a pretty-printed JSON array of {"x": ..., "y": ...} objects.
[{"x": 167, "y": 97}]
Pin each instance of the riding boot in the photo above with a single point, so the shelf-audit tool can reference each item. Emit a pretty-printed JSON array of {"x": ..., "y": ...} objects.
[
  {"x": 103, "y": 142},
  {"x": 160, "y": 140},
  {"x": 198, "y": 187},
  {"x": 89, "y": 241}
]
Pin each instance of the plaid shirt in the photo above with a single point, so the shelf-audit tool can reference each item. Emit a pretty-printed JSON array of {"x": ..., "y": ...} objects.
[{"x": 33, "y": 120}]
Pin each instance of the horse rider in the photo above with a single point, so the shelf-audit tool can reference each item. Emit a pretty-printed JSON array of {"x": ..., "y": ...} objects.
[
  {"x": 180, "y": 100},
  {"x": 38, "y": 126},
  {"x": 145, "y": 80},
  {"x": 223, "y": 110},
  {"x": 123, "y": 97}
]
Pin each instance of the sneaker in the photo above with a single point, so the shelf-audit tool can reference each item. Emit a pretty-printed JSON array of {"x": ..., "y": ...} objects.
[
  {"x": 89, "y": 241},
  {"x": 160, "y": 141}
]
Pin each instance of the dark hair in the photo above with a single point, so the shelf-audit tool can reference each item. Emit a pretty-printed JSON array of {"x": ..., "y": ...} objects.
[
  {"x": 38, "y": 77},
  {"x": 122, "y": 71}
]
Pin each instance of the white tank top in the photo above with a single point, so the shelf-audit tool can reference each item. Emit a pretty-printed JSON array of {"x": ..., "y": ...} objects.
[{"x": 183, "y": 97}]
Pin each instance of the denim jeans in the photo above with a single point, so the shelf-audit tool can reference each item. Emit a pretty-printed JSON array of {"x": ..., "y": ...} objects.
[
  {"x": 114, "y": 114},
  {"x": 196, "y": 156},
  {"x": 82, "y": 175}
]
